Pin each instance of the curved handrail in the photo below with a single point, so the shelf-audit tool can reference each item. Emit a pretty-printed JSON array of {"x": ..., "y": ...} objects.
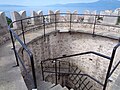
[
  {"x": 78, "y": 54},
  {"x": 70, "y": 14},
  {"x": 13, "y": 34}
]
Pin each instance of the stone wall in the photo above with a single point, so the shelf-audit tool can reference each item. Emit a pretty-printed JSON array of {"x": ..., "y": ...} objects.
[
  {"x": 4, "y": 36},
  {"x": 58, "y": 44},
  {"x": 81, "y": 19}
]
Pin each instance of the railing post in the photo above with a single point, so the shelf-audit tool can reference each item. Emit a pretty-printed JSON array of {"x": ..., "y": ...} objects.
[
  {"x": 55, "y": 22},
  {"x": 44, "y": 26},
  {"x": 94, "y": 25},
  {"x": 59, "y": 70},
  {"x": 109, "y": 69},
  {"x": 70, "y": 20},
  {"x": 56, "y": 72},
  {"x": 14, "y": 48},
  {"x": 33, "y": 71},
  {"x": 23, "y": 31},
  {"x": 69, "y": 67},
  {"x": 42, "y": 71}
]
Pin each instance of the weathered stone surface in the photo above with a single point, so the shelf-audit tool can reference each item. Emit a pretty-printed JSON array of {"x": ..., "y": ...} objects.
[
  {"x": 40, "y": 13},
  {"x": 35, "y": 21},
  {"x": 109, "y": 19},
  {"x": 57, "y": 12},
  {"x": 23, "y": 16},
  {"x": 68, "y": 15},
  {"x": 18, "y": 16},
  {"x": 64, "y": 43},
  {"x": 92, "y": 17},
  {"x": 52, "y": 16},
  {"x": 86, "y": 17},
  {"x": 75, "y": 16},
  {"x": 118, "y": 10},
  {"x": 3, "y": 23}
]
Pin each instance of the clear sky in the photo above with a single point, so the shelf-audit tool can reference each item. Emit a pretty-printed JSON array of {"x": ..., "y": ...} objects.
[{"x": 42, "y": 2}]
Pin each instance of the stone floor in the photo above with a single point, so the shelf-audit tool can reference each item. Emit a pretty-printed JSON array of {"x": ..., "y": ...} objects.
[{"x": 10, "y": 76}]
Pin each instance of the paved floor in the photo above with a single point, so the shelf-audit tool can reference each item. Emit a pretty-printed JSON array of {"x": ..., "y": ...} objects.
[{"x": 10, "y": 76}]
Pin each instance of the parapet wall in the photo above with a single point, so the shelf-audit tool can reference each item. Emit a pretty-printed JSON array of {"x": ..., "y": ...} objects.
[{"x": 82, "y": 19}]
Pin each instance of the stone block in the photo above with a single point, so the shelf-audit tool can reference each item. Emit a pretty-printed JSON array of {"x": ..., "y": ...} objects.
[
  {"x": 3, "y": 23},
  {"x": 86, "y": 17},
  {"x": 68, "y": 15},
  {"x": 57, "y": 12},
  {"x": 38, "y": 17},
  {"x": 51, "y": 16},
  {"x": 75, "y": 16},
  {"x": 18, "y": 16},
  {"x": 110, "y": 19},
  {"x": 92, "y": 17}
]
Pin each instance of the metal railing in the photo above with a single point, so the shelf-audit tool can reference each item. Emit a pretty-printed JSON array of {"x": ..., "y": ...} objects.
[
  {"x": 48, "y": 20},
  {"x": 20, "y": 60},
  {"x": 109, "y": 71}
]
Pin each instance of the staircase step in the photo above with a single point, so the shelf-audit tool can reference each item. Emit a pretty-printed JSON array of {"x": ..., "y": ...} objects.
[
  {"x": 65, "y": 88},
  {"x": 45, "y": 85},
  {"x": 57, "y": 87}
]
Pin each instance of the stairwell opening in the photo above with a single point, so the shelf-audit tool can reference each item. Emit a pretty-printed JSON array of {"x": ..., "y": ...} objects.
[{"x": 58, "y": 44}]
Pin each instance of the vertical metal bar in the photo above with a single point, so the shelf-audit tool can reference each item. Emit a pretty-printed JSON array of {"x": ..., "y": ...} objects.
[
  {"x": 44, "y": 26},
  {"x": 109, "y": 69},
  {"x": 59, "y": 70},
  {"x": 56, "y": 72},
  {"x": 82, "y": 82},
  {"x": 94, "y": 25},
  {"x": 33, "y": 71},
  {"x": 14, "y": 48},
  {"x": 42, "y": 71},
  {"x": 85, "y": 85},
  {"x": 55, "y": 23},
  {"x": 62, "y": 79},
  {"x": 70, "y": 20},
  {"x": 69, "y": 67},
  {"x": 114, "y": 69},
  {"x": 23, "y": 31}
]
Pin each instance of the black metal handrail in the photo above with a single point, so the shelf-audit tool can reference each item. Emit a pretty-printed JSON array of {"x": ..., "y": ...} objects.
[
  {"x": 78, "y": 54},
  {"x": 18, "y": 59},
  {"x": 65, "y": 56},
  {"x": 109, "y": 72},
  {"x": 23, "y": 43}
]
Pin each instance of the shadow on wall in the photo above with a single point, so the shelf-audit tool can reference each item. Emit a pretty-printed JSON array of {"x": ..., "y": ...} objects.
[{"x": 58, "y": 44}]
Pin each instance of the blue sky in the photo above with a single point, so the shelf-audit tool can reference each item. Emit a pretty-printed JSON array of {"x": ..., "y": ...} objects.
[{"x": 42, "y": 2}]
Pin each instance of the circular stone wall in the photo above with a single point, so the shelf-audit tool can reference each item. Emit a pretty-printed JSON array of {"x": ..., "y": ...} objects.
[{"x": 56, "y": 44}]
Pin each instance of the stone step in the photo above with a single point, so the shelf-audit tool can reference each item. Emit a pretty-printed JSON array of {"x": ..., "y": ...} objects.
[
  {"x": 49, "y": 86},
  {"x": 45, "y": 85},
  {"x": 65, "y": 88},
  {"x": 57, "y": 87}
]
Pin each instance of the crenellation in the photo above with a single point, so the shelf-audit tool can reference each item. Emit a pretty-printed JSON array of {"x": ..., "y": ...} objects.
[
  {"x": 57, "y": 13},
  {"x": 3, "y": 23},
  {"x": 75, "y": 16},
  {"x": 65, "y": 42},
  {"x": 18, "y": 16},
  {"x": 86, "y": 17},
  {"x": 52, "y": 16}
]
